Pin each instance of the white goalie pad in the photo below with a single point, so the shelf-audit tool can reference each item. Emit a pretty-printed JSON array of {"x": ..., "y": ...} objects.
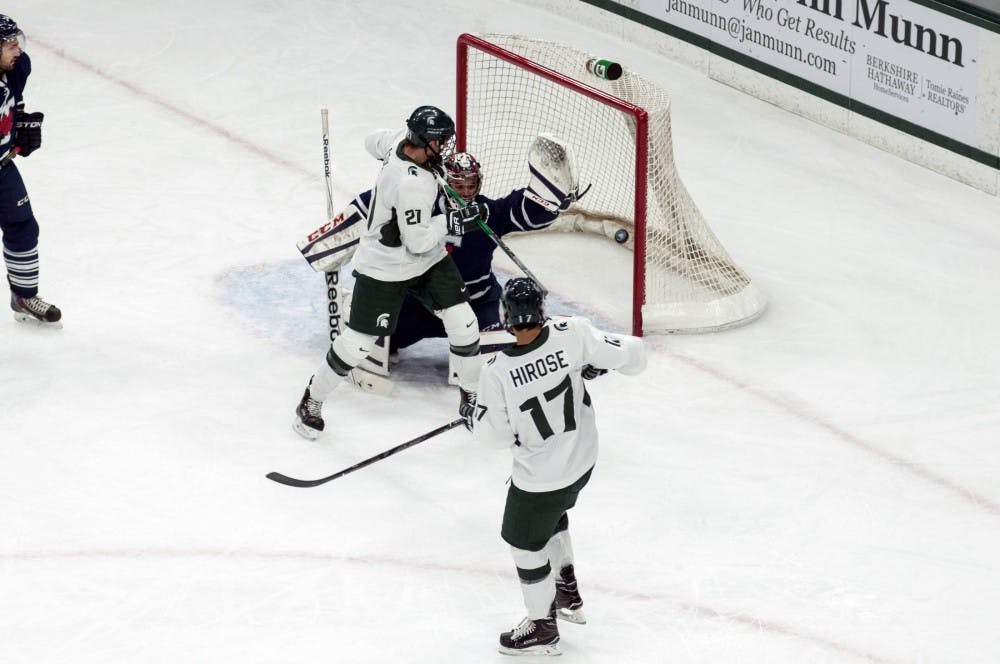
[
  {"x": 333, "y": 244},
  {"x": 372, "y": 374},
  {"x": 369, "y": 382},
  {"x": 614, "y": 228},
  {"x": 554, "y": 179},
  {"x": 377, "y": 361}
]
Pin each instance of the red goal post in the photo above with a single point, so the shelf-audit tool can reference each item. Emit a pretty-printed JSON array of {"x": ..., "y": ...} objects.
[{"x": 510, "y": 88}]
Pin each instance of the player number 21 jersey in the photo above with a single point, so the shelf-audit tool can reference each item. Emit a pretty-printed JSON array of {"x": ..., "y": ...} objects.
[{"x": 403, "y": 238}]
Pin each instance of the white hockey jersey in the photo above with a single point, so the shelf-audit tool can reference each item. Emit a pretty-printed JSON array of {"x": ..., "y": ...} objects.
[
  {"x": 403, "y": 238},
  {"x": 533, "y": 399}
]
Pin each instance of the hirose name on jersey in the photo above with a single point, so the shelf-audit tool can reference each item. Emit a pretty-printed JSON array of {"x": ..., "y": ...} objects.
[{"x": 551, "y": 423}]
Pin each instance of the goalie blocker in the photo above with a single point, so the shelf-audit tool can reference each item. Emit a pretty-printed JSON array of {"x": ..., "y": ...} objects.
[{"x": 333, "y": 244}]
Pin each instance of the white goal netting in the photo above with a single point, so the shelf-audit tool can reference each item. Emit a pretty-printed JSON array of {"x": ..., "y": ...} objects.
[{"x": 515, "y": 88}]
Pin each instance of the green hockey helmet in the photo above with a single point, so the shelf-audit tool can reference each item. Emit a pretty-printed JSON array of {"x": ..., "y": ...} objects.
[
  {"x": 429, "y": 123},
  {"x": 522, "y": 301}
]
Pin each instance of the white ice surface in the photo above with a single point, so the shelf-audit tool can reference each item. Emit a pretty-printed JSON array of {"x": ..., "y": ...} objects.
[{"x": 820, "y": 486}]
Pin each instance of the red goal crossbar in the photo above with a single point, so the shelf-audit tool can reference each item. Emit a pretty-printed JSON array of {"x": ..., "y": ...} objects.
[{"x": 467, "y": 41}]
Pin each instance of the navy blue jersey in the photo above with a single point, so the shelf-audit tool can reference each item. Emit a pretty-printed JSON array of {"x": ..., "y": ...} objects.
[
  {"x": 513, "y": 212},
  {"x": 11, "y": 94},
  {"x": 474, "y": 258}
]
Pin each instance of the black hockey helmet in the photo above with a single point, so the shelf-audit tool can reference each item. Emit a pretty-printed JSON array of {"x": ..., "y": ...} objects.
[
  {"x": 429, "y": 123},
  {"x": 9, "y": 30},
  {"x": 522, "y": 301}
]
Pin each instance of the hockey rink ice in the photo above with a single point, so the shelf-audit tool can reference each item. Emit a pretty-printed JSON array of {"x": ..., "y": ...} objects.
[{"x": 820, "y": 486}]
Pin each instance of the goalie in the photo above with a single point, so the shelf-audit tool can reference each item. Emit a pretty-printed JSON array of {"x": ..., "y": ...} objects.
[{"x": 551, "y": 189}]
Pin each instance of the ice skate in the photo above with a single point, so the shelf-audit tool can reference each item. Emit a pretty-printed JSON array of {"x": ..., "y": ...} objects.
[
  {"x": 532, "y": 637},
  {"x": 35, "y": 309},
  {"x": 309, "y": 416},
  {"x": 568, "y": 604}
]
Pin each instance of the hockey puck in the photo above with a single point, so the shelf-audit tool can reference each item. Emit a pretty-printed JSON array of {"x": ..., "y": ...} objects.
[{"x": 621, "y": 236}]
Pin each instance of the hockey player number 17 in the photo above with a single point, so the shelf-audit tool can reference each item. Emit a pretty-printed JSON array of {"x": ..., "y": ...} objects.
[{"x": 534, "y": 406}]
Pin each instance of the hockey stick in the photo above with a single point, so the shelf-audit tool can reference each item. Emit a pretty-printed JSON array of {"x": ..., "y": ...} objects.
[
  {"x": 325, "y": 117},
  {"x": 291, "y": 481},
  {"x": 332, "y": 277},
  {"x": 493, "y": 236},
  {"x": 364, "y": 380}
]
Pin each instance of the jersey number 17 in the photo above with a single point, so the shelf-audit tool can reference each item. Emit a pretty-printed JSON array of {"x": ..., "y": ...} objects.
[{"x": 534, "y": 407}]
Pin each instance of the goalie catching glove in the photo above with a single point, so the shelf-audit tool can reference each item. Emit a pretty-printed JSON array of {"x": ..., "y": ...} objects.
[
  {"x": 554, "y": 182},
  {"x": 28, "y": 131},
  {"x": 464, "y": 220}
]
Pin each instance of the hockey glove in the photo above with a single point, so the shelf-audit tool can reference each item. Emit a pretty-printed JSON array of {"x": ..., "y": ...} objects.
[
  {"x": 467, "y": 410},
  {"x": 590, "y": 372},
  {"x": 463, "y": 220},
  {"x": 28, "y": 131}
]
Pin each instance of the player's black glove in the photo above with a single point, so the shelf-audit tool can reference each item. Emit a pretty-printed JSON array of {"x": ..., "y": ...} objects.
[
  {"x": 27, "y": 131},
  {"x": 467, "y": 410},
  {"x": 463, "y": 220},
  {"x": 590, "y": 372}
]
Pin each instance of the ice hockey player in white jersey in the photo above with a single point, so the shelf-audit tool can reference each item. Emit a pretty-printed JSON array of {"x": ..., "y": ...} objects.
[
  {"x": 532, "y": 399},
  {"x": 553, "y": 186},
  {"x": 402, "y": 250}
]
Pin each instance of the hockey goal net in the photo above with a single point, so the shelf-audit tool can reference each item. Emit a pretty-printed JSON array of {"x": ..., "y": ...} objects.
[{"x": 512, "y": 88}]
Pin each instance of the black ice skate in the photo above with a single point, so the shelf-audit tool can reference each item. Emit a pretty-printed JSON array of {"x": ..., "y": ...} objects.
[
  {"x": 532, "y": 637},
  {"x": 309, "y": 416},
  {"x": 35, "y": 309},
  {"x": 568, "y": 604}
]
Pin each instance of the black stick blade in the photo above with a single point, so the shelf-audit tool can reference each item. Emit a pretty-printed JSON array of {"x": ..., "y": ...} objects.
[
  {"x": 291, "y": 481},
  {"x": 305, "y": 484}
]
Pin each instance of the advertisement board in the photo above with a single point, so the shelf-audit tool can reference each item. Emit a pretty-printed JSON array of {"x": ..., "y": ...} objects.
[{"x": 899, "y": 57}]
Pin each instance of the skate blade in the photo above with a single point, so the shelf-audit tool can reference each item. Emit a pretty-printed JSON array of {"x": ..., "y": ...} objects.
[
  {"x": 22, "y": 317},
  {"x": 304, "y": 431},
  {"x": 551, "y": 651},
  {"x": 569, "y": 615}
]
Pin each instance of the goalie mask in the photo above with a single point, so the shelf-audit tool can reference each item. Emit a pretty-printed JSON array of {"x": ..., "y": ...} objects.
[
  {"x": 522, "y": 302},
  {"x": 464, "y": 174}
]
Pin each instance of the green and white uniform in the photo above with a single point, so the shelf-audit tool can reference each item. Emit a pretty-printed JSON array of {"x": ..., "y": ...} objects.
[
  {"x": 533, "y": 399},
  {"x": 403, "y": 238}
]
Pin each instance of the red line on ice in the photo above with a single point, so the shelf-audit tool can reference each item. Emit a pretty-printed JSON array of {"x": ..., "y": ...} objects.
[
  {"x": 165, "y": 104},
  {"x": 756, "y": 624},
  {"x": 912, "y": 468}
]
